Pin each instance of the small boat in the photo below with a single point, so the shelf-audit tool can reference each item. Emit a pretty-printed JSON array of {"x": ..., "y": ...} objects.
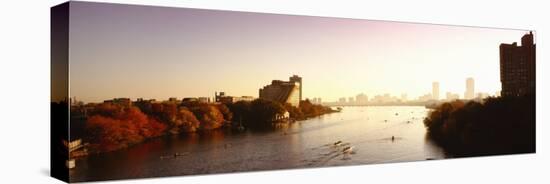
[
  {"x": 337, "y": 143},
  {"x": 179, "y": 154},
  {"x": 348, "y": 149},
  {"x": 240, "y": 128}
]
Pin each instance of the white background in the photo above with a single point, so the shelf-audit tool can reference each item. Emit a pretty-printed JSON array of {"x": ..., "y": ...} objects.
[{"x": 24, "y": 90}]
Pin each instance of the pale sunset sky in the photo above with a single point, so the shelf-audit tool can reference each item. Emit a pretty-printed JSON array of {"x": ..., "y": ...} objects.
[{"x": 158, "y": 52}]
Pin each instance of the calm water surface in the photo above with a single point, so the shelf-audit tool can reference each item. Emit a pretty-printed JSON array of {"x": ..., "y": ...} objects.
[{"x": 300, "y": 145}]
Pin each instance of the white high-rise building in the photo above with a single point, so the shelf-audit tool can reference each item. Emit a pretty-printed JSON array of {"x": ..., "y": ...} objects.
[
  {"x": 470, "y": 92},
  {"x": 435, "y": 91}
]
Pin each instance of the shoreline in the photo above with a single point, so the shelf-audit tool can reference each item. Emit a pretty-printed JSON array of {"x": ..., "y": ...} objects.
[{"x": 228, "y": 126}]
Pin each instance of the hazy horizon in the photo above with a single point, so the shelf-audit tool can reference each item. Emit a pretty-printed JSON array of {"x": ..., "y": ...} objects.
[{"x": 159, "y": 52}]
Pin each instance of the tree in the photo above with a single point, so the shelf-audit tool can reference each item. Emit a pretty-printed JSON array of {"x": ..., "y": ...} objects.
[
  {"x": 263, "y": 112},
  {"x": 294, "y": 112},
  {"x": 227, "y": 114},
  {"x": 208, "y": 115},
  {"x": 495, "y": 126},
  {"x": 112, "y": 127},
  {"x": 185, "y": 121}
]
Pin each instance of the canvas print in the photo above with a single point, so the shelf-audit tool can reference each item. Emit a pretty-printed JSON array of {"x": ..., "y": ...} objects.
[{"x": 146, "y": 91}]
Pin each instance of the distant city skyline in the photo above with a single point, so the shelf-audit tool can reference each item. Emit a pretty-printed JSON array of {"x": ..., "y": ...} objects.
[{"x": 159, "y": 52}]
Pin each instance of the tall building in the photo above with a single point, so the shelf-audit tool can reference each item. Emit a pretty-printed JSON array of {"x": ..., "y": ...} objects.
[
  {"x": 470, "y": 92},
  {"x": 517, "y": 67},
  {"x": 316, "y": 101},
  {"x": 404, "y": 97},
  {"x": 435, "y": 91},
  {"x": 426, "y": 97},
  {"x": 342, "y": 100},
  {"x": 361, "y": 99},
  {"x": 283, "y": 91},
  {"x": 297, "y": 79},
  {"x": 351, "y": 100}
]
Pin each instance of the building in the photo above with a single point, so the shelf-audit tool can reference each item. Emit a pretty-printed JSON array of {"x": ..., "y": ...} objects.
[
  {"x": 174, "y": 100},
  {"x": 361, "y": 99},
  {"x": 482, "y": 95},
  {"x": 386, "y": 98},
  {"x": 297, "y": 79},
  {"x": 319, "y": 101},
  {"x": 281, "y": 116},
  {"x": 517, "y": 67},
  {"x": 189, "y": 99},
  {"x": 222, "y": 98},
  {"x": 120, "y": 101},
  {"x": 351, "y": 100},
  {"x": 144, "y": 104},
  {"x": 404, "y": 97},
  {"x": 204, "y": 99},
  {"x": 283, "y": 91},
  {"x": 470, "y": 92},
  {"x": 74, "y": 102},
  {"x": 435, "y": 91},
  {"x": 315, "y": 100},
  {"x": 426, "y": 97},
  {"x": 452, "y": 96},
  {"x": 143, "y": 100},
  {"x": 342, "y": 100}
]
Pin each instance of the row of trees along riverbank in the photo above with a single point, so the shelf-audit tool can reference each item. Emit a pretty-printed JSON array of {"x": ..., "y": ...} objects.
[
  {"x": 110, "y": 126},
  {"x": 503, "y": 125}
]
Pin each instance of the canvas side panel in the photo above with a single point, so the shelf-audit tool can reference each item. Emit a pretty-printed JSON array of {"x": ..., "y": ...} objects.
[{"x": 59, "y": 113}]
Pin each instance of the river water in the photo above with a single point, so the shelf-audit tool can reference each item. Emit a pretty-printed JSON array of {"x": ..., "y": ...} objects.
[{"x": 303, "y": 144}]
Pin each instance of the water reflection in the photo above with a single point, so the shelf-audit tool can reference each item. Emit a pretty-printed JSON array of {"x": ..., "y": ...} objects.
[{"x": 309, "y": 143}]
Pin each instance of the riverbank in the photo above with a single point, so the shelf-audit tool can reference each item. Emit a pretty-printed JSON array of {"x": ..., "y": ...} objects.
[
  {"x": 109, "y": 127},
  {"x": 495, "y": 126}
]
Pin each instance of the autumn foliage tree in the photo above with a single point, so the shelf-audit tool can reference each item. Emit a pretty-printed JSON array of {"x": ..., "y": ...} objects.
[
  {"x": 185, "y": 122},
  {"x": 208, "y": 115},
  {"x": 112, "y": 127},
  {"x": 178, "y": 119},
  {"x": 227, "y": 114}
]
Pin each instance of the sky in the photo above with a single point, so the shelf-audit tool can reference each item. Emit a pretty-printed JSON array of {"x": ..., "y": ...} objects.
[{"x": 159, "y": 52}]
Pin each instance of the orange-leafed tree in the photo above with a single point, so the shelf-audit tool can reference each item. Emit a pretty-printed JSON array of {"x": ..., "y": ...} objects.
[
  {"x": 209, "y": 115},
  {"x": 112, "y": 127},
  {"x": 185, "y": 121}
]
